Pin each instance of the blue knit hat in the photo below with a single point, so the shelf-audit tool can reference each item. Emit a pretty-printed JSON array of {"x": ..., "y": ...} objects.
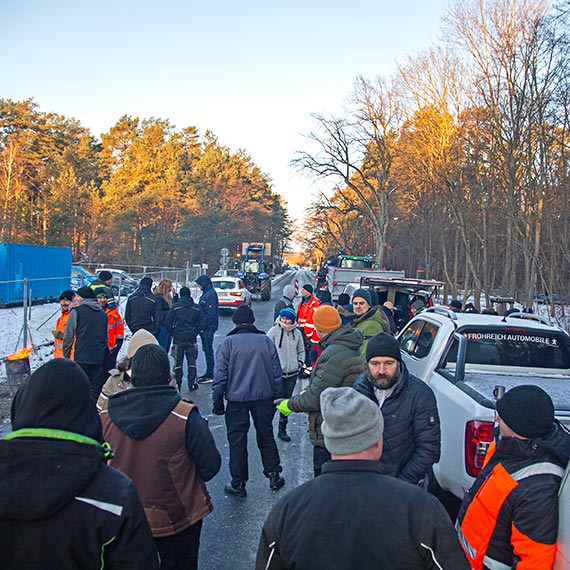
[{"x": 288, "y": 313}]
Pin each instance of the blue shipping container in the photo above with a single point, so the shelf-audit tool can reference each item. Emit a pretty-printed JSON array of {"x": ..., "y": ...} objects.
[{"x": 47, "y": 268}]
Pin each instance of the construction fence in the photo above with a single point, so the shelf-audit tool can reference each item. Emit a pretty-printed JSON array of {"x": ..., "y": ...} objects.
[{"x": 29, "y": 308}]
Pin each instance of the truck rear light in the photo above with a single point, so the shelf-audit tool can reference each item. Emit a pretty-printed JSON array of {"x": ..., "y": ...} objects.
[
  {"x": 335, "y": 283},
  {"x": 236, "y": 293},
  {"x": 478, "y": 436}
]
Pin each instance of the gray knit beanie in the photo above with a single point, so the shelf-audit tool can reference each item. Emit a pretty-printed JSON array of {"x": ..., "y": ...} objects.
[
  {"x": 363, "y": 294},
  {"x": 351, "y": 422}
]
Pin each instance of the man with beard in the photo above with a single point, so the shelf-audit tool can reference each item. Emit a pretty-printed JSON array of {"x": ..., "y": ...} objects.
[{"x": 412, "y": 437}]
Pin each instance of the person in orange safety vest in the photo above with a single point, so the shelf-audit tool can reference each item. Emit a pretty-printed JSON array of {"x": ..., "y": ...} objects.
[
  {"x": 66, "y": 303},
  {"x": 305, "y": 312},
  {"x": 509, "y": 517},
  {"x": 115, "y": 334}
]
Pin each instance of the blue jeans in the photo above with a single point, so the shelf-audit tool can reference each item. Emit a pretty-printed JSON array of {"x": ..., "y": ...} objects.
[{"x": 208, "y": 348}]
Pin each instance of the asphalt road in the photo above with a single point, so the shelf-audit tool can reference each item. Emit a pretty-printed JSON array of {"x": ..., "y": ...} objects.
[{"x": 230, "y": 534}]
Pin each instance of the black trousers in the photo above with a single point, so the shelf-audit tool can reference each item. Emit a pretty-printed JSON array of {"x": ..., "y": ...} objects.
[
  {"x": 208, "y": 348},
  {"x": 189, "y": 351},
  {"x": 237, "y": 426},
  {"x": 320, "y": 457},
  {"x": 94, "y": 373},
  {"x": 287, "y": 391},
  {"x": 180, "y": 551}
]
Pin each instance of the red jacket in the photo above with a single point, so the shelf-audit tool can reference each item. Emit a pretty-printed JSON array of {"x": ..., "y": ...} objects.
[
  {"x": 305, "y": 312},
  {"x": 116, "y": 328}
]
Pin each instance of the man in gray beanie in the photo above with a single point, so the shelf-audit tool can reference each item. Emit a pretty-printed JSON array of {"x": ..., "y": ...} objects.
[
  {"x": 411, "y": 421},
  {"x": 325, "y": 523},
  {"x": 509, "y": 517},
  {"x": 369, "y": 320}
]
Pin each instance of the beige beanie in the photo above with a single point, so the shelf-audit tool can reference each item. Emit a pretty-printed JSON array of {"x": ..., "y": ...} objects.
[{"x": 140, "y": 338}]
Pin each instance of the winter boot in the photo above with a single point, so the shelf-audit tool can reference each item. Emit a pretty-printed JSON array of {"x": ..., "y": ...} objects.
[
  {"x": 237, "y": 491},
  {"x": 275, "y": 481},
  {"x": 282, "y": 434}
]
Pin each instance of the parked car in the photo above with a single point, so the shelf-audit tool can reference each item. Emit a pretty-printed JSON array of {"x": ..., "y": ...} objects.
[
  {"x": 231, "y": 292},
  {"x": 81, "y": 276},
  {"x": 226, "y": 273}
]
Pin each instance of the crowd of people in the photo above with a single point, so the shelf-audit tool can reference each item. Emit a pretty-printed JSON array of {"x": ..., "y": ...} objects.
[{"x": 107, "y": 465}]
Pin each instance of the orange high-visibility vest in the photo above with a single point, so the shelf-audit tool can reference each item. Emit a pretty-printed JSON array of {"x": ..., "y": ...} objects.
[{"x": 58, "y": 335}]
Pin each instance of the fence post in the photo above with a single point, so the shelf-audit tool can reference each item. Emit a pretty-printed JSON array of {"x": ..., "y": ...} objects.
[
  {"x": 25, "y": 328},
  {"x": 187, "y": 273}
]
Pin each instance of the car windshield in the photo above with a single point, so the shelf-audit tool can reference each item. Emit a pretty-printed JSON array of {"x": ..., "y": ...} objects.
[
  {"x": 355, "y": 264},
  {"x": 514, "y": 346},
  {"x": 224, "y": 285}
]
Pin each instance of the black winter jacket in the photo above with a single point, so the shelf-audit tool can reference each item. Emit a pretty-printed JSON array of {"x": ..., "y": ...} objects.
[
  {"x": 61, "y": 507},
  {"x": 184, "y": 321},
  {"x": 86, "y": 333},
  {"x": 329, "y": 523},
  {"x": 412, "y": 435},
  {"x": 208, "y": 303},
  {"x": 144, "y": 311}
]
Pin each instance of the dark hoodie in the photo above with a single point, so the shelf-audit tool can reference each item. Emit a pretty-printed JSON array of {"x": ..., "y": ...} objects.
[
  {"x": 208, "y": 303},
  {"x": 57, "y": 494}
]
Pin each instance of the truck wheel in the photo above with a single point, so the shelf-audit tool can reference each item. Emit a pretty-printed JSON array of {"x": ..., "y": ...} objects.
[
  {"x": 447, "y": 499},
  {"x": 265, "y": 290}
]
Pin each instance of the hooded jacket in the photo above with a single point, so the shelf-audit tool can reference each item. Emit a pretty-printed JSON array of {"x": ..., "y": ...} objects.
[
  {"x": 86, "y": 333},
  {"x": 247, "y": 367},
  {"x": 208, "y": 303},
  {"x": 509, "y": 517},
  {"x": 159, "y": 438},
  {"x": 339, "y": 365},
  {"x": 290, "y": 348},
  {"x": 285, "y": 301},
  {"x": 412, "y": 432},
  {"x": 143, "y": 311},
  {"x": 60, "y": 505}
]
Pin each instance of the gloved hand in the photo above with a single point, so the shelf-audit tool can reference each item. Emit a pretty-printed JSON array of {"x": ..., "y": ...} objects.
[
  {"x": 282, "y": 406},
  {"x": 218, "y": 409}
]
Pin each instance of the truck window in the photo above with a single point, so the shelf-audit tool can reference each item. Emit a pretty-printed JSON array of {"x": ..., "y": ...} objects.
[{"x": 514, "y": 346}]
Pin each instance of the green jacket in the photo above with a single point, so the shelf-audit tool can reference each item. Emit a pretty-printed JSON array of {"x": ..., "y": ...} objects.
[
  {"x": 339, "y": 365},
  {"x": 370, "y": 324}
]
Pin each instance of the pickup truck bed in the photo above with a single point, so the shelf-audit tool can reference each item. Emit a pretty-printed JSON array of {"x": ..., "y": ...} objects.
[{"x": 480, "y": 385}]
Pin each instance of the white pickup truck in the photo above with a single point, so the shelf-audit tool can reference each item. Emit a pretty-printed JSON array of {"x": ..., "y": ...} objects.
[{"x": 469, "y": 360}]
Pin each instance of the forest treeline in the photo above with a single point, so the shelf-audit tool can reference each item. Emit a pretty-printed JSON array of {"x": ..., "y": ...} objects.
[
  {"x": 145, "y": 194},
  {"x": 458, "y": 163}
]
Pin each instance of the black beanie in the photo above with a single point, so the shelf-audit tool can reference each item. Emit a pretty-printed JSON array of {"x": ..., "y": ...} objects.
[
  {"x": 383, "y": 344},
  {"x": 363, "y": 294},
  {"x": 150, "y": 366},
  {"x": 243, "y": 315},
  {"x": 67, "y": 295},
  {"x": 185, "y": 292},
  {"x": 308, "y": 288},
  {"x": 105, "y": 275},
  {"x": 86, "y": 292},
  {"x": 146, "y": 282},
  {"x": 527, "y": 410}
]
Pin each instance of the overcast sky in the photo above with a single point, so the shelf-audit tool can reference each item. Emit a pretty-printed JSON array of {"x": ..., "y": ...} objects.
[{"x": 250, "y": 71}]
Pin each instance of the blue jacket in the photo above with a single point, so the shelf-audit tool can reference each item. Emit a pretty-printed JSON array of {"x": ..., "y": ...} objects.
[
  {"x": 208, "y": 303},
  {"x": 412, "y": 437},
  {"x": 247, "y": 367}
]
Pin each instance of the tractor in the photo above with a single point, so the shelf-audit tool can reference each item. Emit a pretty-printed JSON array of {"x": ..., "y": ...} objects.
[{"x": 256, "y": 268}]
